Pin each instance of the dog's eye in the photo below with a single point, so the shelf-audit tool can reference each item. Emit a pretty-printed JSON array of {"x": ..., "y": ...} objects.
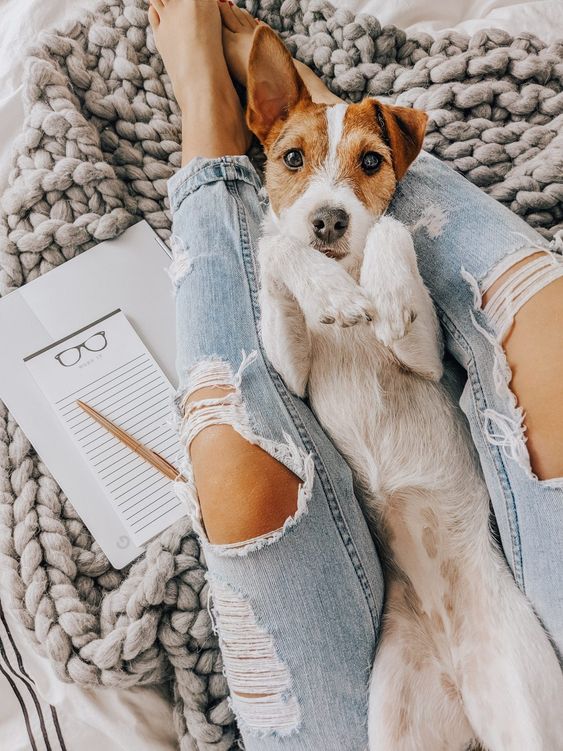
[
  {"x": 293, "y": 159},
  {"x": 370, "y": 162}
]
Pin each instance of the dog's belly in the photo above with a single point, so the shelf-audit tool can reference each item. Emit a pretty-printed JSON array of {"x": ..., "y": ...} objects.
[
  {"x": 427, "y": 506},
  {"x": 395, "y": 428},
  {"x": 417, "y": 476}
]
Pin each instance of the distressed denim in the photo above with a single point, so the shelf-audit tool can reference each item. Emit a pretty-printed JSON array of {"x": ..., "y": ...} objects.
[{"x": 298, "y": 610}]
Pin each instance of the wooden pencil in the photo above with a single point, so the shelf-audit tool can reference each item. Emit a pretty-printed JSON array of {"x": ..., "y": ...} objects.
[{"x": 150, "y": 456}]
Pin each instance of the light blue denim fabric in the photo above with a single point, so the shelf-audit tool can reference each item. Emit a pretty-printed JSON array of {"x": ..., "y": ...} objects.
[{"x": 314, "y": 593}]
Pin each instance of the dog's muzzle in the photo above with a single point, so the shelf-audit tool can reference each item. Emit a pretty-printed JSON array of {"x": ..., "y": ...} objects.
[{"x": 329, "y": 224}]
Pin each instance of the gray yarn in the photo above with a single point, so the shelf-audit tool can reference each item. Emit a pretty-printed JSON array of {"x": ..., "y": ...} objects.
[{"x": 100, "y": 141}]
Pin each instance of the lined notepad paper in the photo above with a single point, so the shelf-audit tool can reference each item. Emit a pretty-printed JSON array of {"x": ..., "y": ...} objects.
[{"x": 107, "y": 366}]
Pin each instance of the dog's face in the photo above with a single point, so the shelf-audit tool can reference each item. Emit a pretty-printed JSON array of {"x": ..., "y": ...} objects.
[{"x": 331, "y": 170}]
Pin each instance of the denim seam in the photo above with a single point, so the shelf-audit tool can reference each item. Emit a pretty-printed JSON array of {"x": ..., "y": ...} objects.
[
  {"x": 238, "y": 172},
  {"x": 248, "y": 257},
  {"x": 221, "y": 162},
  {"x": 495, "y": 452}
]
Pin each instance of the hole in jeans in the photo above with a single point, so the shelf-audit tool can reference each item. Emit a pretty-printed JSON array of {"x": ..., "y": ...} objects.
[
  {"x": 262, "y": 696},
  {"x": 523, "y": 370},
  {"x": 250, "y": 489}
]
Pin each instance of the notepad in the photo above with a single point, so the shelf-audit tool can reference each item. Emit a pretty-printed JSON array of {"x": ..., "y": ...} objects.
[
  {"x": 107, "y": 366},
  {"x": 129, "y": 274}
]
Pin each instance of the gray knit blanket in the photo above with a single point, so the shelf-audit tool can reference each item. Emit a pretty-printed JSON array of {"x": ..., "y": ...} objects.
[{"x": 101, "y": 139}]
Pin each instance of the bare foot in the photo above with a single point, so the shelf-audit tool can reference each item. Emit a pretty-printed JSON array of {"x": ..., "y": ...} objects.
[
  {"x": 188, "y": 36},
  {"x": 238, "y": 29}
]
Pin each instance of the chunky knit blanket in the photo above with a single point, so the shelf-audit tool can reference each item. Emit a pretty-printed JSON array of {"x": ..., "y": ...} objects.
[{"x": 100, "y": 141}]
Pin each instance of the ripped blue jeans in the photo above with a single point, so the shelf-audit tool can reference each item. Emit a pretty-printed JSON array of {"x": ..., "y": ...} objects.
[{"x": 298, "y": 610}]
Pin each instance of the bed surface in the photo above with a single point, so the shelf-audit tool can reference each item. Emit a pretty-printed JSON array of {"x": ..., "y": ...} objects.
[
  {"x": 36, "y": 710},
  {"x": 22, "y": 20}
]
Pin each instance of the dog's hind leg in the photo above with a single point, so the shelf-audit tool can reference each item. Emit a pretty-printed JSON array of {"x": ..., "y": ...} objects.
[
  {"x": 414, "y": 704},
  {"x": 512, "y": 681},
  {"x": 406, "y": 321}
]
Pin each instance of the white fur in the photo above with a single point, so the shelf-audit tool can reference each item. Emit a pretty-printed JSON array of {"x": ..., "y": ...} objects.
[
  {"x": 462, "y": 655},
  {"x": 335, "y": 126}
]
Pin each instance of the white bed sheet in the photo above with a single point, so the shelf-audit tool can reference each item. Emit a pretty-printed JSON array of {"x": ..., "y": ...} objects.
[
  {"x": 541, "y": 17},
  {"x": 141, "y": 718},
  {"x": 37, "y": 708}
]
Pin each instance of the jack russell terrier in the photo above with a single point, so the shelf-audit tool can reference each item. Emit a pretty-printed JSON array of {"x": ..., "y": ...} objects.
[{"x": 346, "y": 318}]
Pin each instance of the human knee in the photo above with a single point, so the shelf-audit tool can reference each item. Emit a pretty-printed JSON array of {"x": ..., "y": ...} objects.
[
  {"x": 243, "y": 491},
  {"x": 243, "y": 488}
]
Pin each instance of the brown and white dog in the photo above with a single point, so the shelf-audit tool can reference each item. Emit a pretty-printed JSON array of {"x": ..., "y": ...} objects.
[{"x": 346, "y": 318}]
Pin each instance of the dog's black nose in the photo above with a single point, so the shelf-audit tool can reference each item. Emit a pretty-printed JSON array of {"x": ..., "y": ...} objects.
[{"x": 329, "y": 223}]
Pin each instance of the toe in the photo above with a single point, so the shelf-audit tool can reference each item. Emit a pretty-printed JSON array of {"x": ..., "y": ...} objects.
[
  {"x": 154, "y": 18},
  {"x": 248, "y": 20},
  {"x": 228, "y": 18},
  {"x": 238, "y": 14}
]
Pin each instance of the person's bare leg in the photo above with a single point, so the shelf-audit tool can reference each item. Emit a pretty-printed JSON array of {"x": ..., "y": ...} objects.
[
  {"x": 262, "y": 493},
  {"x": 188, "y": 36},
  {"x": 238, "y": 29},
  {"x": 534, "y": 350}
]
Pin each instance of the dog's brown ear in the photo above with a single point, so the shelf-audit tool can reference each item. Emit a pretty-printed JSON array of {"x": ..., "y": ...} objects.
[
  {"x": 274, "y": 86},
  {"x": 403, "y": 129}
]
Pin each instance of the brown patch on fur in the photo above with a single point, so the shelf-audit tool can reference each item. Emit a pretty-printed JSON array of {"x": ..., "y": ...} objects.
[
  {"x": 447, "y": 599},
  {"x": 450, "y": 688},
  {"x": 451, "y": 573},
  {"x": 361, "y": 133},
  {"x": 430, "y": 541},
  {"x": 449, "y": 570},
  {"x": 393, "y": 531},
  {"x": 418, "y": 654},
  {"x": 403, "y": 723},
  {"x": 437, "y": 622},
  {"x": 404, "y": 129},
  {"x": 284, "y": 185},
  {"x": 407, "y": 623},
  {"x": 412, "y": 657}
]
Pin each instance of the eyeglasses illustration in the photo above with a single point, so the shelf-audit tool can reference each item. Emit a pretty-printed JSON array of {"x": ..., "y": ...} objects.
[{"x": 95, "y": 343}]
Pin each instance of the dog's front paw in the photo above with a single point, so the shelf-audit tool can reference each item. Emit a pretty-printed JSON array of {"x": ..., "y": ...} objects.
[
  {"x": 346, "y": 307},
  {"x": 394, "y": 320}
]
